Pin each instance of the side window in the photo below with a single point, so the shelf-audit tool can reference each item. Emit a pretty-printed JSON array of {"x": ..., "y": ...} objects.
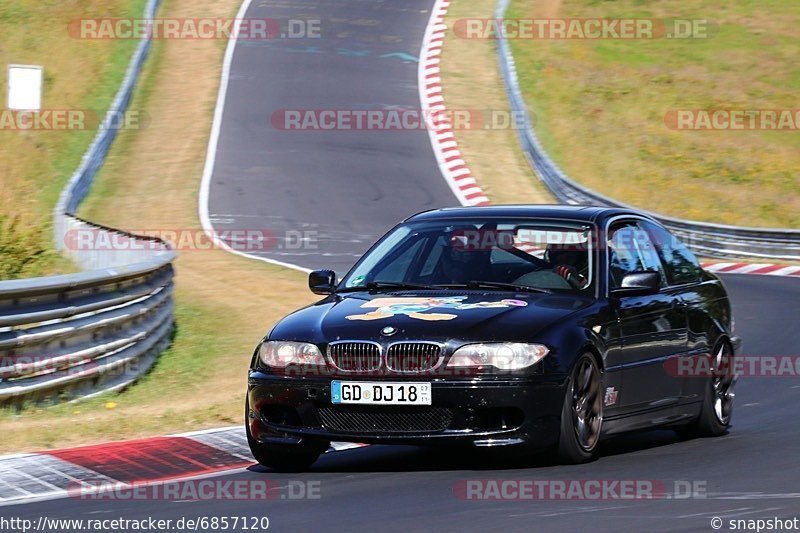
[
  {"x": 629, "y": 250},
  {"x": 680, "y": 263},
  {"x": 622, "y": 258},
  {"x": 647, "y": 250}
]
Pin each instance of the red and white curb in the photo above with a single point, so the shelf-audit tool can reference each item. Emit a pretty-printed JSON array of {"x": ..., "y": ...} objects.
[
  {"x": 448, "y": 156},
  {"x": 763, "y": 269},
  {"x": 60, "y": 473}
]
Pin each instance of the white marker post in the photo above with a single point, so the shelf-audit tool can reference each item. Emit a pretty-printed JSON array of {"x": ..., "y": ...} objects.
[{"x": 25, "y": 87}]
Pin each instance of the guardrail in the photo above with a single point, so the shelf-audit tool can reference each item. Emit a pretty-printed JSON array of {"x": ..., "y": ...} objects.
[
  {"x": 70, "y": 336},
  {"x": 76, "y": 335},
  {"x": 710, "y": 240}
]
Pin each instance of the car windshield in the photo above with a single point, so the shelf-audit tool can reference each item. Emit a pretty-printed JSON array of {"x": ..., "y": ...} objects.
[{"x": 485, "y": 254}]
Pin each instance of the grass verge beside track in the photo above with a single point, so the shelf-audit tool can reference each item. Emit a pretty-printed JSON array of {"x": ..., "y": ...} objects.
[
  {"x": 224, "y": 302},
  {"x": 600, "y": 107},
  {"x": 80, "y": 75}
]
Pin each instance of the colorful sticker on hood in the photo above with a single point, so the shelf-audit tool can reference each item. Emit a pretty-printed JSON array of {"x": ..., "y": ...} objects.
[{"x": 416, "y": 307}]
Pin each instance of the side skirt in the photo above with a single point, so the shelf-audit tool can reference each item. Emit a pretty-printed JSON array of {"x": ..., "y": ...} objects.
[{"x": 651, "y": 418}]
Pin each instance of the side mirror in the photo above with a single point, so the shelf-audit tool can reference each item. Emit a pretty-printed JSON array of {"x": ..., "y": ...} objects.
[
  {"x": 642, "y": 283},
  {"x": 322, "y": 281}
]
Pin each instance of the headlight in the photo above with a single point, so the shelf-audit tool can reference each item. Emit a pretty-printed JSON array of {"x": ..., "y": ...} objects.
[
  {"x": 280, "y": 354},
  {"x": 502, "y": 355}
]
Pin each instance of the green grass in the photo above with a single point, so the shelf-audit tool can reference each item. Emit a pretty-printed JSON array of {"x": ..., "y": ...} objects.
[{"x": 600, "y": 107}]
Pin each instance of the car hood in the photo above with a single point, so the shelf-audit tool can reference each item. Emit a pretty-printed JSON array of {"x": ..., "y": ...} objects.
[{"x": 429, "y": 315}]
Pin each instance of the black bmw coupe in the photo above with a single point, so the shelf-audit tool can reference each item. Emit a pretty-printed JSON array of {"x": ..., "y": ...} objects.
[{"x": 525, "y": 327}]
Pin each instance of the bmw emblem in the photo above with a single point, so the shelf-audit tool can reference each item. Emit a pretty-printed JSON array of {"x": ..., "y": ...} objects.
[{"x": 388, "y": 331}]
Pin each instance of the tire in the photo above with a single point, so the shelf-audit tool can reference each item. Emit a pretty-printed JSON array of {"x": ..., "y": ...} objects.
[
  {"x": 717, "y": 408},
  {"x": 582, "y": 413},
  {"x": 282, "y": 457}
]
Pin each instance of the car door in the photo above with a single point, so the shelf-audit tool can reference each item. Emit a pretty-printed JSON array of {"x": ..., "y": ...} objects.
[
  {"x": 652, "y": 328},
  {"x": 683, "y": 273}
]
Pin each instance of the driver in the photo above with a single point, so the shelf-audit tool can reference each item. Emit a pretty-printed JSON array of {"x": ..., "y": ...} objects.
[{"x": 568, "y": 262}]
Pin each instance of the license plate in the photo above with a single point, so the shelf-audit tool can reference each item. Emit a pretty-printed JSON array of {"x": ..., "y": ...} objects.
[{"x": 380, "y": 393}]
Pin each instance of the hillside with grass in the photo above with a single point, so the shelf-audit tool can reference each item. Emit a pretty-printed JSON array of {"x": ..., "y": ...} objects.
[
  {"x": 34, "y": 165},
  {"x": 602, "y": 106}
]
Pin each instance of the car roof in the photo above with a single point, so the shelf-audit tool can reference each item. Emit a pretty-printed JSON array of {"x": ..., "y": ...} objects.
[{"x": 583, "y": 213}]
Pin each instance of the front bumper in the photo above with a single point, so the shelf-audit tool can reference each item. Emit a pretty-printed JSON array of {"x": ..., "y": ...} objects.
[{"x": 480, "y": 412}]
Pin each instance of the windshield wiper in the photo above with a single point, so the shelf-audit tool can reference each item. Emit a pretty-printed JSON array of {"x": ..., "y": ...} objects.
[
  {"x": 373, "y": 286},
  {"x": 475, "y": 284}
]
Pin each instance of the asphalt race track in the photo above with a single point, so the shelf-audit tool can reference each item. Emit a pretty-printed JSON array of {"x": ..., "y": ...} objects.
[
  {"x": 350, "y": 187},
  {"x": 340, "y": 189}
]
